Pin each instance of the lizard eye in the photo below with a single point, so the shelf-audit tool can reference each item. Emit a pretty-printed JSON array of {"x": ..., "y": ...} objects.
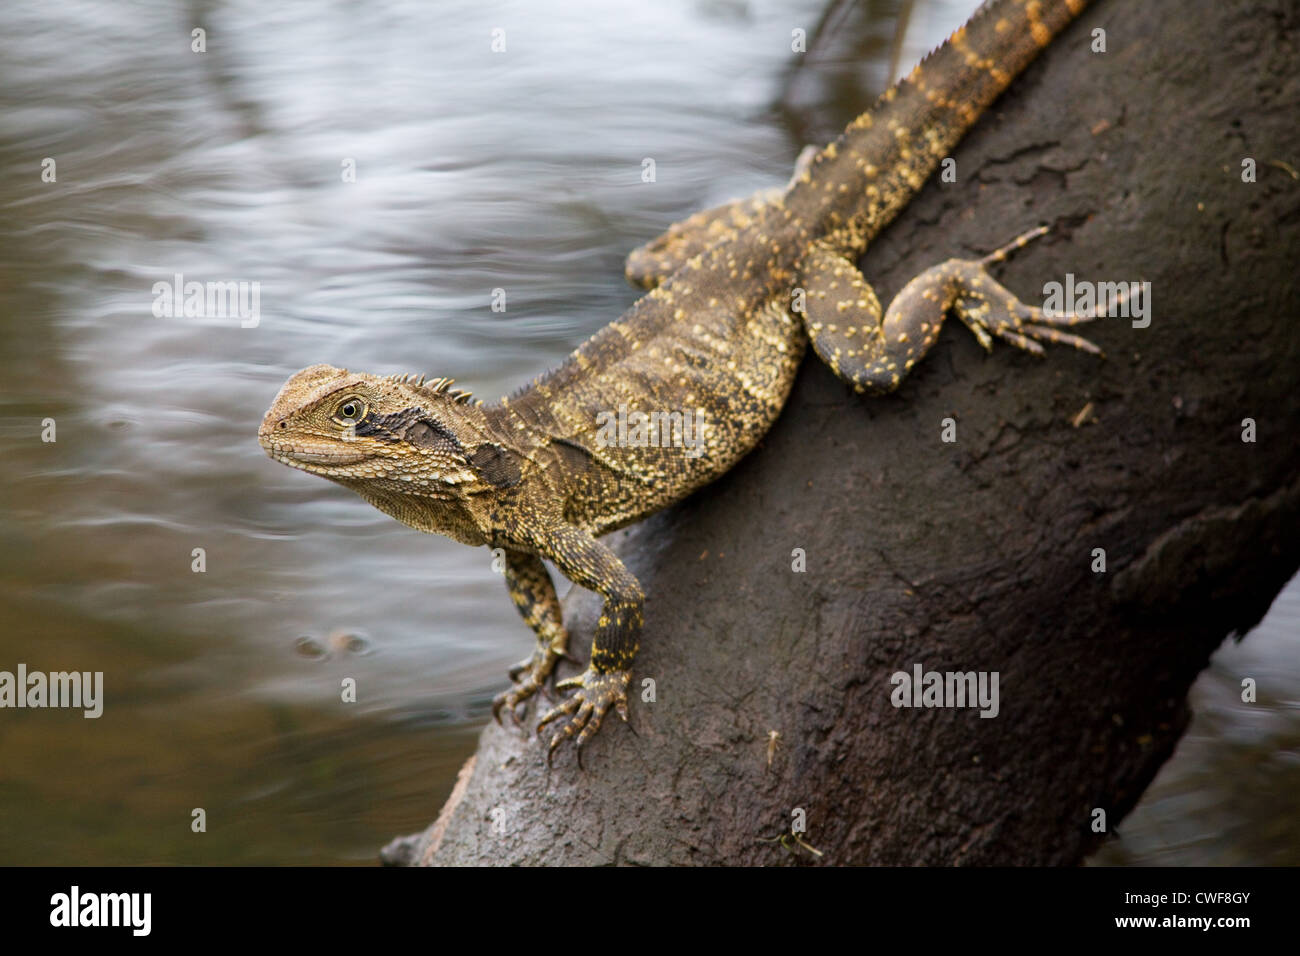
[{"x": 350, "y": 411}]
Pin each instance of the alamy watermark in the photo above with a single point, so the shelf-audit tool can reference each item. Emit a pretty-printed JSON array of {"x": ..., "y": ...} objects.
[
  {"x": 923, "y": 688},
  {"x": 1128, "y": 300},
  {"x": 130, "y": 910},
  {"x": 208, "y": 300},
  {"x": 83, "y": 690},
  {"x": 637, "y": 429}
]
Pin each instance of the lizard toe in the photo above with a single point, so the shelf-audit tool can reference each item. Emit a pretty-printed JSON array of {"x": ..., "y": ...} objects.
[{"x": 594, "y": 695}]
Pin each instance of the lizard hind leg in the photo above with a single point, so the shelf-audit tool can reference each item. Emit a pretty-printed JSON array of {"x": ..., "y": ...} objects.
[
  {"x": 874, "y": 349},
  {"x": 649, "y": 265}
]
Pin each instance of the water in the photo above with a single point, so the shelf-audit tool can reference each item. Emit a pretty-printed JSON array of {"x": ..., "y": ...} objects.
[
  {"x": 1228, "y": 795},
  {"x": 475, "y": 171}
]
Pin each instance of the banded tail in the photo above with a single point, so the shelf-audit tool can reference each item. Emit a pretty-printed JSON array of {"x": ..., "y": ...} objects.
[{"x": 858, "y": 183}]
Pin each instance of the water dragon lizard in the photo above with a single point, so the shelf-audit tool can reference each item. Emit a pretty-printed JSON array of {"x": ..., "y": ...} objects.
[{"x": 736, "y": 294}]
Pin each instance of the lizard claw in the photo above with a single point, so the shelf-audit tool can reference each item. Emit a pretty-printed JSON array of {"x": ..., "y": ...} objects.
[
  {"x": 992, "y": 311},
  {"x": 594, "y": 694},
  {"x": 516, "y": 670},
  {"x": 534, "y": 671}
]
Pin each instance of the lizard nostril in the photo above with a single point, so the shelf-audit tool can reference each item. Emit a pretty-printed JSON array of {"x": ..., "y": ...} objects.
[{"x": 281, "y": 424}]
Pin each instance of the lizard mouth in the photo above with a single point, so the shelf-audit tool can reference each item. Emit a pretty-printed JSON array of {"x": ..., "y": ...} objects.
[
  {"x": 322, "y": 458},
  {"x": 299, "y": 456}
]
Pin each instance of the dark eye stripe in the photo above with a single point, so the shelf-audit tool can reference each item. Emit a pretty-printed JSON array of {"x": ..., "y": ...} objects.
[
  {"x": 410, "y": 425},
  {"x": 428, "y": 434}
]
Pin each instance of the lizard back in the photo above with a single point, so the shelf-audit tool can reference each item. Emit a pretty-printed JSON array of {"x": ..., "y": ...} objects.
[{"x": 716, "y": 339}]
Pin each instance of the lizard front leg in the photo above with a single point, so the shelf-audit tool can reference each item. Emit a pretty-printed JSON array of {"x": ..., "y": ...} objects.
[
  {"x": 874, "y": 353},
  {"x": 590, "y": 564},
  {"x": 533, "y": 592}
]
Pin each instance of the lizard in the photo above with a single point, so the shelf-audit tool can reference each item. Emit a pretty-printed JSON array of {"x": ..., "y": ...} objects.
[{"x": 719, "y": 336}]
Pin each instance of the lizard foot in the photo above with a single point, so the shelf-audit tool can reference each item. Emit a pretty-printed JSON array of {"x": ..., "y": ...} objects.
[
  {"x": 594, "y": 694},
  {"x": 990, "y": 310},
  {"x": 529, "y": 676}
]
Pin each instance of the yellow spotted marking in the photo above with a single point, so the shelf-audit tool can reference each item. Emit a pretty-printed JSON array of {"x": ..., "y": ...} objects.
[{"x": 1034, "y": 12}]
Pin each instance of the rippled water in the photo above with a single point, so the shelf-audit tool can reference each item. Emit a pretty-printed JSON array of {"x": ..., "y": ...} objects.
[{"x": 475, "y": 171}]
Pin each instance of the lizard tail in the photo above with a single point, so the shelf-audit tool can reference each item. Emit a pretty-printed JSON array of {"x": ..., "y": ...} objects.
[
  {"x": 886, "y": 154},
  {"x": 959, "y": 80}
]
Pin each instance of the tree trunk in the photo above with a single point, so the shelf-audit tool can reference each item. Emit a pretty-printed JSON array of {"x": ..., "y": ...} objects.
[{"x": 977, "y": 554}]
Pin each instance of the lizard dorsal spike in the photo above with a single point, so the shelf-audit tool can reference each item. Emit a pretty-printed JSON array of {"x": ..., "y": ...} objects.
[
  {"x": 442, "y": 386},
  {"x": 410, "y": 378}
]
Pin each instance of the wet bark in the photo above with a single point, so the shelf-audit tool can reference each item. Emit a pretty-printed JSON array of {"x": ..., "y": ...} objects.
[{"x": 979, "y": 554}]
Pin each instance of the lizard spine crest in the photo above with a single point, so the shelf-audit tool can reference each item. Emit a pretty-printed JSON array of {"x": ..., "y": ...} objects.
[{"x": 435, "y": 386}]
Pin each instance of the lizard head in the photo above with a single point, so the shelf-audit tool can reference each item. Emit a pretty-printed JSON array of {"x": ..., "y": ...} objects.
[{"x": 353, "y": 427}]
